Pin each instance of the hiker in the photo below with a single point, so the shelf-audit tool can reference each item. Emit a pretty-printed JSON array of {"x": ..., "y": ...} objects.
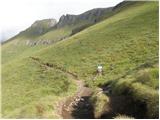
[{"x": 99, "y": 69}]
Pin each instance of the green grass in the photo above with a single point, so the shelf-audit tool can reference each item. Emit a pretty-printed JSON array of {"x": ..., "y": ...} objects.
[
  {"x": 124, "y": 41},
  {"x": 142, "y": 87},
  {"x": 28, "y": 82},
  {"x": 149, "y": 77},
  {"x": 147, "y": 95},
  {"x": 100, "y": 102},
  {"x": 57, "y": 34},
  {"x": 11, "y": 52},
  {"x": 140, "y": 93}
]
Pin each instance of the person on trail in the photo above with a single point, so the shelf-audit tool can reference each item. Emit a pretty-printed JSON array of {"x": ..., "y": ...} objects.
[{"x": 99, "y": 69}]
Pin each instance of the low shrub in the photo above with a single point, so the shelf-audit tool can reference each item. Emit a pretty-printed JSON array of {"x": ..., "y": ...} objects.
[
  {"x": 148, "y": 96},
  {"x": 140, "y": 93},
  {"x": 121, "y": 87},
  {"x": 148, "y": 77},
  {"x": 100, "y": 102}
]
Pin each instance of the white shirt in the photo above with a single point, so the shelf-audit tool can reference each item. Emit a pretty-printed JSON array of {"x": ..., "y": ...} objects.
[{"x": 99, "y": 68}]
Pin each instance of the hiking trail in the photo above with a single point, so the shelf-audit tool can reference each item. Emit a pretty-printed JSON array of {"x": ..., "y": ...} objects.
[{"x": 67, "y": 109}]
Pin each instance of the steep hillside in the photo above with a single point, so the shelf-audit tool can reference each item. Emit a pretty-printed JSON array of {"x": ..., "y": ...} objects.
[
  {"x": 38, "y": 28},
  {"x": 126, "y": 44},
  {"x": 71, "y": 24},
  {"x": 45, "y": 32},
  {"x": 53, "y": 31},
  {"x": 123, "y": 43},
  {"x": 121, "y": 40}
]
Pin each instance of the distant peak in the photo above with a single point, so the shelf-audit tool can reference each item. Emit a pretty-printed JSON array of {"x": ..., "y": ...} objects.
[{"x": 47, "y": 22}]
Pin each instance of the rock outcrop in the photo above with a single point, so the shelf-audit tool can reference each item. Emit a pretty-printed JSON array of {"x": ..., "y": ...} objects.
[
  {"x": 45, "y": 22},
  {"x": 89, "y": 17},
  {"x": 38, "y": 42},
  {"x": 39, "y": 27}
]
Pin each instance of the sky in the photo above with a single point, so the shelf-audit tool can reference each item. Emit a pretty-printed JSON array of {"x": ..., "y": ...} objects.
[{"x": 17, "y": 15}]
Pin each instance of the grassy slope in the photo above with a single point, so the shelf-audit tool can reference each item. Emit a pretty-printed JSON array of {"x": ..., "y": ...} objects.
[
  {"x": 57, "y": 34},
  {"x": 29, "y": 83},
  {"x": 123, "y": 40},
  {"x": 17, "y": 47},
  {"x": 12, "y": 51}
]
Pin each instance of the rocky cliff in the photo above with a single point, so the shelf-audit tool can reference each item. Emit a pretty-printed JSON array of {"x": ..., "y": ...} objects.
[{"x": 90, "y": 17}]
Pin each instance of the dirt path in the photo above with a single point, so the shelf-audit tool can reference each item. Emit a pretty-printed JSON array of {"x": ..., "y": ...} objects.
[
  {"x": 71, "y": 104},
  {"x": 69, "y": 108},
  {"x": 79, "y": 105}
]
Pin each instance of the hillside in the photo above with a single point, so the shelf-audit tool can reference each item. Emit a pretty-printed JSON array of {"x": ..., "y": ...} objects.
[
  {"x": 48, "y": 30},
  {"x": 125, "y": 43},
  {"x": 43, "y": 33}
]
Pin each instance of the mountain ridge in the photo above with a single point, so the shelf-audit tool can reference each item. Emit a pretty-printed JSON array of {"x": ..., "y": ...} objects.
[
  {"x": 70, "y": 23},
  {"x": 91, "y": 16}
]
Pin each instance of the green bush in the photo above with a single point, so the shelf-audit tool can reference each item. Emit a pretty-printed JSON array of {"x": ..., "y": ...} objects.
[
  {"x": 121, "y": 87},
  {"x": 100, "y": 102},
  {"x": 140, "y": 93},
  {"x": 148, "y": 77},
  {"x": 147, "y": 95}
]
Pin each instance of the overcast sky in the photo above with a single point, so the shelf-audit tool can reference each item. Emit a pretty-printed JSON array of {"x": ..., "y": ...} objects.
[{"x": 17, "y": 15}]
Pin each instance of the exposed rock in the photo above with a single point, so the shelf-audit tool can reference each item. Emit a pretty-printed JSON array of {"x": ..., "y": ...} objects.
[
  {"x": 38, "y": 42},
  {"x": 90, "y": 16},
  {"x": 47, "y": 22}
]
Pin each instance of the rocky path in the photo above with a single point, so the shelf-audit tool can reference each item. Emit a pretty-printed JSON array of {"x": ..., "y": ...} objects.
[
  {"x": 70, "y": 107},
  {"x": 78, "y": 105}
]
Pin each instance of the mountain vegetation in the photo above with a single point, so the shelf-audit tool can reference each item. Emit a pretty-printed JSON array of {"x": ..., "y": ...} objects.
[{"x": 38, "y": 63}]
